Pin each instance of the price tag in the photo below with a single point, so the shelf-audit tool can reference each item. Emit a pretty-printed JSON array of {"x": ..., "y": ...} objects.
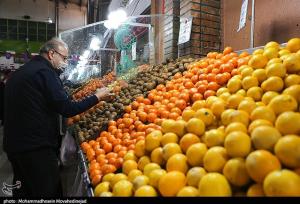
[
  {"x": 133, "y": 51},
  {"x": 185, "y": 30},
  {"x": 243, "y": 16}
]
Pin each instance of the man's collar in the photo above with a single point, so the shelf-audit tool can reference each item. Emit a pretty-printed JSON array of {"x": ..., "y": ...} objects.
[{"x": 44, "y": 60}]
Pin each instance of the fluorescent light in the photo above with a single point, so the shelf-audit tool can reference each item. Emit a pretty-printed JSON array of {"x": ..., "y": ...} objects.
[
  {"x": 95, "y": 43},
  {"x": 49, "y": 20},
  {"x": 115, "y": 19}
]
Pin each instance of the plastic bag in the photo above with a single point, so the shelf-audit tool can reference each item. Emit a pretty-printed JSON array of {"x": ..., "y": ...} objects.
[
  {"x": 77, "y": 189},
  {"x": 68, "y": 150},
  {"x": 76, "y": 180}
]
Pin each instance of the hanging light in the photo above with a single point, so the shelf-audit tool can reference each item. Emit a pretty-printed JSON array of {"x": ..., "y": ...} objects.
[
  {"x": 115, "y": 19},
  {"x": 95, "y": 43},
  {"x": 49, "y": 20}
]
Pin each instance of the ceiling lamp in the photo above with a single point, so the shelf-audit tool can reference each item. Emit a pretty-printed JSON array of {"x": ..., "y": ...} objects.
[{"x": 115, "y": 19}]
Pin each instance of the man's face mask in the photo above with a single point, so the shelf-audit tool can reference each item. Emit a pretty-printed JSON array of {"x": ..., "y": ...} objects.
[{"x": 61, "y": 63}]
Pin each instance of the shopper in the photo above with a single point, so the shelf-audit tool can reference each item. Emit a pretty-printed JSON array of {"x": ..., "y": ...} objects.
[{"x": 34, "y": 98}]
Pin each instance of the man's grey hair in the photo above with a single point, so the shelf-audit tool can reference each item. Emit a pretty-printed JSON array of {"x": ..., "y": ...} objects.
[{"x": 54, "y": 43}]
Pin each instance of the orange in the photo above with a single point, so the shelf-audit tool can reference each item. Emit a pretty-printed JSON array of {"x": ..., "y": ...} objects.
[
  {"x": 247, "y": 105},
  {"x": 171, "y": 183},
  {"x": 287, "y": 150},
  {"x": 196, "y": 125},
  {"x": 258, "y": 123},
  {"x": 100, "y": 188},
  {"x": 140, "y": 181},
  {"x": 130, "y": 156},
  {"x": 157, "y": 156},
  {"x": 234, "y": 85},
  {"x": 123, "y": 188},
  {"x": 133, "y": 174},
  {"x": 236, "y": 126},
  {"x": 236, "y": 116},
  {"x": 241, "y": 92},
  {"x": 187, "y": 140},
  {"x": 260, "y": 74},
  {"x": 255, "y": 92},
  {"x": 195, "y": 154},
  {"x": 116, "y": 178},
  {"x": 188, "y": 191},
  {"x": 258, "y": 61},
  {"x": 268, "y": 96},
  {"x": 291, "y": 79},
  {"x": 293, "y": 44},
  {"x": 218, "y": 107},
  {"x": 150, "y": 167},
  {"x": 140, "y": 148},
  {"x": 188, "y": 114},
  {"x": 234, "y": 100},
  {"x": 255, "y": 190},
  {"x": 128, "y": 166},
  {"x": 152, "y": 140},
  {"x": 258, "y": 51},
  {"x": 143, "y": 161},
  {"x": 225, "y": 117},
  {"x": 198, "y": 104},
  {"x": 271, "y": 52},
  {"x": 294, "y": 91},
  {"x": 265, "y": 137},
  {"x": 246, "y": 71},
  {"x": 292, "y": 63},
  {"x": 194, "y": 176},
  {"x": 260, "y": 163},
  {"x": 249, "y": 81},
  {"x": 288, "y": 123},
  {"x": 169, "y": 138},
  {"x": 177, "y": 127},
  {"x": 215, "y": 159},
  {"x": 235, "y": 172},
  {"x": 170, "y": 149},
  {"x": 272, "y": 44},
  {"x": 145, "y": 191},
  {"x": 214, "y": 184},
  {"x": 273, "y": 83},
  {"x": 283, "y": 103},
  {"x": 108, "y": 177},
  {"x": 263, "y": 112},
  {"x": 155, "y": 176},
  {"x": 214, "y": 137},
  {"x": 177, "y": 162},
  {"x": 220, "y": 91},
  {"x": 276, "y": 69},
  {"x": 206, "y": 116},
  {"x": 237, "y": 144},
  {"x": 282, "y": 183}
]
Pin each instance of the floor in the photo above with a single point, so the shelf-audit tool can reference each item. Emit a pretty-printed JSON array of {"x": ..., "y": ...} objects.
[{"x": 71, "y": 175}]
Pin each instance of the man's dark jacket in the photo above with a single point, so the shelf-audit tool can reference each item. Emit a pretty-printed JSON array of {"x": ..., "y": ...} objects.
[{"x": 34, "y": 98}]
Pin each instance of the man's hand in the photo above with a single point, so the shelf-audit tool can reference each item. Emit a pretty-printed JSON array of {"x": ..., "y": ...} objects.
[{"x": 104, "y": 94}]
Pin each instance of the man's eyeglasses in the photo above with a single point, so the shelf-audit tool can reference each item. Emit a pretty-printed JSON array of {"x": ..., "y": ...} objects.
[{"x": 65, "y": 58}]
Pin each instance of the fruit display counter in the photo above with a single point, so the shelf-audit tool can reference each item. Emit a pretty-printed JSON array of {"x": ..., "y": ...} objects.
[{"x": 227, "y": 126}]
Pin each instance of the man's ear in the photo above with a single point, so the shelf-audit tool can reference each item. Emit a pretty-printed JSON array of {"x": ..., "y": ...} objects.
[{"x": 50, "y": 55}]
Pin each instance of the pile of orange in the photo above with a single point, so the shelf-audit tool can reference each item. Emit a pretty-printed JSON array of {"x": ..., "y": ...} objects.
[
  {"x": 198, "y": 139},
  {"x": 202, "y": 79},
  {"x": 94, "y": 84}
]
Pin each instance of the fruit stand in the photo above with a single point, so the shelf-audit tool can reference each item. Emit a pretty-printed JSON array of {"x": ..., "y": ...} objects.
[{"x": 227, "y": 124}]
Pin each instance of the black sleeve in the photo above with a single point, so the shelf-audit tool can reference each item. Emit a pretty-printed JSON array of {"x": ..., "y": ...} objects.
[{"x": 58, "y": 98}]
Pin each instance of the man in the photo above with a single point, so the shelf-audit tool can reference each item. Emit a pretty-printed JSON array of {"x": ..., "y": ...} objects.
[{"x": 34, "y": 98}]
